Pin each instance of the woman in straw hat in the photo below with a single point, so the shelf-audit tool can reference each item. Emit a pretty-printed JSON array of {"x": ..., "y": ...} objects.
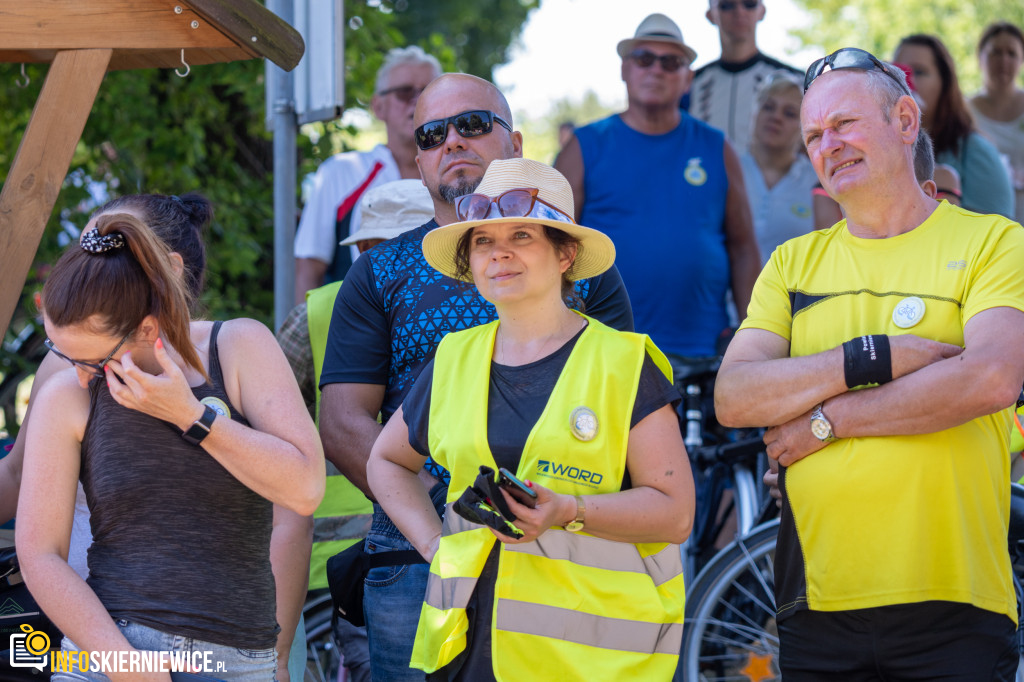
[{"x": 585, "y": 579}]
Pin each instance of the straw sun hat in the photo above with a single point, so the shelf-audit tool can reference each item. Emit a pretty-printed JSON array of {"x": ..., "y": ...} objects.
[{"x": 595, "y": 254}]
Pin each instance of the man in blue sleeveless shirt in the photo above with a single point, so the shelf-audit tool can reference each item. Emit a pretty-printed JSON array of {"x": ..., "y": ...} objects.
[{"x": 669, "y": 191}]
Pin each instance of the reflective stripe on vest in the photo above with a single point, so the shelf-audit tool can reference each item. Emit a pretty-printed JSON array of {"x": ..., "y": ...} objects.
[
  {"x": 344, "y": 515},
  {"x": 590, "y": 607}
]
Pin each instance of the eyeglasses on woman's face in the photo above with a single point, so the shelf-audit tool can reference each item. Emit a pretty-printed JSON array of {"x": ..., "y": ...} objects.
[{"x": 94, "y": 368}]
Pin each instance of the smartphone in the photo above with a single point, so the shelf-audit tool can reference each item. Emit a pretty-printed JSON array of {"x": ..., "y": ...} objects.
[{"x": 523, "y": 494}]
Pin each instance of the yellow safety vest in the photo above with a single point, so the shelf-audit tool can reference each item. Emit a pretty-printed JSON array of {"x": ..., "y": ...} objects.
[
  {"x": 568, "y": 605},
  {"x": 344, "y": 515}
]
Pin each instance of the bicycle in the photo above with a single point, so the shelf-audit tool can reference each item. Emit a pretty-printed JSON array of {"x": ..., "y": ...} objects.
[
  {"x": 722, "y": 459},
  {"x": 19, "y": 358},
  {"x": 323, "y": 658},
  {"x": 730, "y": 630}
]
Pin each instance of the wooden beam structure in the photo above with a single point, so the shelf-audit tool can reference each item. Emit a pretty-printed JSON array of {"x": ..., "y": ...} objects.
[{"x": 82, "y": 41}]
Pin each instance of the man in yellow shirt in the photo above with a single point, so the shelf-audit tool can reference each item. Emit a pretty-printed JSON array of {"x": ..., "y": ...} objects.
[{"x": 892, "y": 560}]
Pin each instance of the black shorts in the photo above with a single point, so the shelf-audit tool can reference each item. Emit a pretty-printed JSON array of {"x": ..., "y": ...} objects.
[{"x": 926, "y": 641}]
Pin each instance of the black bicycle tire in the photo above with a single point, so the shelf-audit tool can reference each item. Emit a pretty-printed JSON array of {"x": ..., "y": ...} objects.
[
  {"x": 317, "y": 613},
  {"x": 718, "y": 576}
]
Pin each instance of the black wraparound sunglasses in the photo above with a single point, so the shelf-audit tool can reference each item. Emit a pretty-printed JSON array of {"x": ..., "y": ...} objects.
[
  {"x": 849, "y": 58},
  {"x": 467, "y": 124}
]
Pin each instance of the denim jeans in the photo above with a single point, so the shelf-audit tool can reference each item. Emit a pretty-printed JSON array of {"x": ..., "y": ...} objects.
[
  {"x": 228, "y": 663},
  {"x": 392, "y": 599}
]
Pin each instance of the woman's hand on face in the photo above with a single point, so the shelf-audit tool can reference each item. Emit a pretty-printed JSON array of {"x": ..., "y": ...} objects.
[
  {"x": 551, "y": 510},
  {"x": 166, "y": 396}
]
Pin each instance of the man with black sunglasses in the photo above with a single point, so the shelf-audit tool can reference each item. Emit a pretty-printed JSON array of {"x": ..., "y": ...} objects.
[
  {"x": 391, "y": 313},
  {"x": 885, "y": 354},
  {"x": 332, "y": 210},
  {"x": 668, "y": 190},
  {"x": 724, "y": 92}
]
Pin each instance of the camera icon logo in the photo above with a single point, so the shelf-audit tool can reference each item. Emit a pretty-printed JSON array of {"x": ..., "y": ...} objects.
[{"x": 30, "y": 648}]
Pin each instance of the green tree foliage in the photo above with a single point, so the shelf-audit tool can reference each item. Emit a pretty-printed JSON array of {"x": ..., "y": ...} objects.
[
  {"x": 878, "y": 25},
  {"x": 478, "y": 32},
  {"x": 151, "y": 131},
  {"x": 540, "y": 136}
]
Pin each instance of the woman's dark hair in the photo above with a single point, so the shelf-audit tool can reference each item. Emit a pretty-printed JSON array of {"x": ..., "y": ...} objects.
[
  {"x": 951, "y": 119},
  {"x": 994, "y": 29},
  {"x": 558, "y": 238},
  {"x": 179, "y": 222},
  {"x": 121, "y": 286}
]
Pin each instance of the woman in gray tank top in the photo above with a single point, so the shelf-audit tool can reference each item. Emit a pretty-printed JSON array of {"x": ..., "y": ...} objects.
[{"x": 184, "y": 434}]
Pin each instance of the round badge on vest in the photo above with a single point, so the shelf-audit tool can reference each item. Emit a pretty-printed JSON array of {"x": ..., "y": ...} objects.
[
  {"x": 694, "y": 174},
  {"x": 218, "y": 405},
  {"x": 583, "y": 422},
  {"x": 908, "y": 312}
]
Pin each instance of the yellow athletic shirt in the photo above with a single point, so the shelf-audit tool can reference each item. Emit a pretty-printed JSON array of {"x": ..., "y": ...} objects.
[{"x": 896, "y": 519}]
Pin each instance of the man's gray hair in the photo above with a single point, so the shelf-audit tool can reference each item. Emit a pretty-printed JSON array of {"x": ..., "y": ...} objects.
[
  {"x": 404, "y": 55},
  {"x": 924, "y": 157},
  {"x": 887, "y": 91}
]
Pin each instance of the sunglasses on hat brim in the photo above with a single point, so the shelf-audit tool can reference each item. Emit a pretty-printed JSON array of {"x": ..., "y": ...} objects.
[{"x": 514, "y": 203}]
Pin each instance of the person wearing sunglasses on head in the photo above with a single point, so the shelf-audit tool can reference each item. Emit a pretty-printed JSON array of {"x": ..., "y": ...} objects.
[
  {"x": 332, "y": 210},
  {"x": 668, "y": 190},
  {"x": 546, "y": 392},
  {"x": 392, "y": 311},
  {"x": 723, "y": 92},
  {"x": 885, "y": 355}
]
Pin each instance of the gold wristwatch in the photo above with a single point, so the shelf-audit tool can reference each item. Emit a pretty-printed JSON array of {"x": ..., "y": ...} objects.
[
  {"x": 576, "y": 524},
  {"x": 821, "y": 427}
]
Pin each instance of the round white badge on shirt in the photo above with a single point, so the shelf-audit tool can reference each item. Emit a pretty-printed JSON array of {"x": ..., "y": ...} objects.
[
  {"x": 583, "y": 423},
  {"x": 908, "y": 312}
]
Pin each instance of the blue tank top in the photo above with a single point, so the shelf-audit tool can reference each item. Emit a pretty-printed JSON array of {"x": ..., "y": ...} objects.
[{"x": 661, "y": 199}]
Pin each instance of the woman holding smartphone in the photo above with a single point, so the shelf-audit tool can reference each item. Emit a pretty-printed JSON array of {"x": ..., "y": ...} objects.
[
  {"x": 184, "y": 433},
  {"x": 593, "y": 588}
]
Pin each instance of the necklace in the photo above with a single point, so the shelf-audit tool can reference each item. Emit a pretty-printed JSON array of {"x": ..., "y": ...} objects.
[{"x": 542, "y": 350}]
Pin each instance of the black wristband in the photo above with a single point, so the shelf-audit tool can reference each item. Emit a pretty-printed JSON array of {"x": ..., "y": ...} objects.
[{"x": 867, "y": 360}]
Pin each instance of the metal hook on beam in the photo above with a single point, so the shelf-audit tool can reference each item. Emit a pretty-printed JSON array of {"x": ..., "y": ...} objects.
[
  {"x": 23, "y": 80},
  {"x": 185, "y": 64}
]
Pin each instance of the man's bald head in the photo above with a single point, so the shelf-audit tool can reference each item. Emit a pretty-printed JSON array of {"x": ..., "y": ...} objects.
[{"x": 463, "y": 91}]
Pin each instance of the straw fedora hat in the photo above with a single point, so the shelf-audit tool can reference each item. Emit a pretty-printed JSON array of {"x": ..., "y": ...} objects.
[
  {"x": 657, "y": 28},
  {"x": 595, "y": 254}
]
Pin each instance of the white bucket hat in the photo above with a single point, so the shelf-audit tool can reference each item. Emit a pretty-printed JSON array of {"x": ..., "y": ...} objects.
[
  {"x": 595, "y": 254},
  {"x": 390, "y": 209},
  {"x": 657, "y": 28}
]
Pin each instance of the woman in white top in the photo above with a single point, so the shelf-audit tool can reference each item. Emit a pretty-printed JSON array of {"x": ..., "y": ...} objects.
[
  {"x": 999, "y": 108},
  {"x": 779, "y": 178}
]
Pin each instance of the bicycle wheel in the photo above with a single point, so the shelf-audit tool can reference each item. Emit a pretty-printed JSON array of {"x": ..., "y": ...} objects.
[
  {"x": 323, "y": 660},
  {"x": 730, "y": 628}
]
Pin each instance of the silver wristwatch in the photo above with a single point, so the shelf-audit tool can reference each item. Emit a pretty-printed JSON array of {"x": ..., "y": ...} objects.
[{"x": 821, "y": 427}]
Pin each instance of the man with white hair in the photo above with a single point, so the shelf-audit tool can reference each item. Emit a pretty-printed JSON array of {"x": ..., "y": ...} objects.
[
  {"x": 332, "y": 212},
  {"x": 885, "y": 353}
]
